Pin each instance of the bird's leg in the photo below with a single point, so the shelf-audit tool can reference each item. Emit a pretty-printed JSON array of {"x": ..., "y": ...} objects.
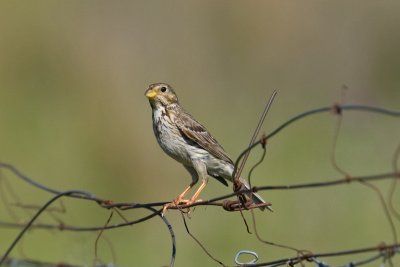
[
  {"x": 197, "y": 193},
  {"x": 180, "y": 198},
  {"x": 195, "y": 179},
  {"x": 201, "y": 170}
]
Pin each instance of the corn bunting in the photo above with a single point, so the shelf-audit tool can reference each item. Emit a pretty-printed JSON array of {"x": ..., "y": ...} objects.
[{"x": 188, "y": 142}]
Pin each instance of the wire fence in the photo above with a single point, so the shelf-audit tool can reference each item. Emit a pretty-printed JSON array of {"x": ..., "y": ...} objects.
[{"x": 382, "y": 253}]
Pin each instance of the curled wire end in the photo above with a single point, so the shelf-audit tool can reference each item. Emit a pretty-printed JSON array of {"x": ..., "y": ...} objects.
[
  {"x": 246, "y": 252},
  {"x": 231, "y": 205},
  {"x": 235, "y": 205}
]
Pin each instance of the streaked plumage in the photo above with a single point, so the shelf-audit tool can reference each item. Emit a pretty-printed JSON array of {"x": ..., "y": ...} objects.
[{"x": 187, "y": 141}]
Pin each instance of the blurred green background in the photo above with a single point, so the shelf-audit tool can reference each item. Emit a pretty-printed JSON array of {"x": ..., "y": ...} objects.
[{"x": 73, "y": 116}]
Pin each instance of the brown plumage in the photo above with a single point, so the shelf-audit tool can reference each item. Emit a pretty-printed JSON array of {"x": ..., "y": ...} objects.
[{"x": 187, "y": 141}]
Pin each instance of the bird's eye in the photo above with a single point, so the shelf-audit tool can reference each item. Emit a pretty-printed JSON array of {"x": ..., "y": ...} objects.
[{"x": 163, "y": 89}]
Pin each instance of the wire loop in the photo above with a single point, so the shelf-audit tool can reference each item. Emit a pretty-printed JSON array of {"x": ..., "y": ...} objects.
[{"x": 246, "y": 252}]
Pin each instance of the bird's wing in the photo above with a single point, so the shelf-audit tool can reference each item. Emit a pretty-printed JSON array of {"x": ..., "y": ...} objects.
[{"x": 196, "y": 132}]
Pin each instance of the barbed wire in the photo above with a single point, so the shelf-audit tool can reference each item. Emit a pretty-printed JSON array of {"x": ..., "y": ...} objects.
[{"x": 385, "y": 252}]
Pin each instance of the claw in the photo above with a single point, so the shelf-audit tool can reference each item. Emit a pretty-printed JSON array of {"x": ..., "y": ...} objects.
[
  {"x": 180, "y": 200},
  {"x": 177, "y": 202}
]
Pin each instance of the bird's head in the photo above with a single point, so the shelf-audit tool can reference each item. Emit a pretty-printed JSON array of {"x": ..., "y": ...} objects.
[{"x": 161, "y": 94}]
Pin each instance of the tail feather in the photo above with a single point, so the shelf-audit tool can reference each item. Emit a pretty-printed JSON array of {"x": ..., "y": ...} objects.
[{"x": 256, "y": 198}]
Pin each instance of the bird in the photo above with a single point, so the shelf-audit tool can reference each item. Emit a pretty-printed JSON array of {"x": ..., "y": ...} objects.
[{"x": 187, "y": 141}]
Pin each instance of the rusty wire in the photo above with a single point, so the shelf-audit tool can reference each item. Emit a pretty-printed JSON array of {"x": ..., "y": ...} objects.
[{"x": 386, "y": 251}]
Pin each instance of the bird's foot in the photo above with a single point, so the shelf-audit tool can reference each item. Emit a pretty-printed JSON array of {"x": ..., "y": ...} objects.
[{"x": 177, "y": 202}]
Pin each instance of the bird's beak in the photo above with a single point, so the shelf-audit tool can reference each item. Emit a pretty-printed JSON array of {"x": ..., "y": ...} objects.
[{"x": 151, "y": 94}]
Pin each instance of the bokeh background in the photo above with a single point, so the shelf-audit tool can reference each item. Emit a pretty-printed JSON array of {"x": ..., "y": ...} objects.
[{"x": 73, "y": 116}]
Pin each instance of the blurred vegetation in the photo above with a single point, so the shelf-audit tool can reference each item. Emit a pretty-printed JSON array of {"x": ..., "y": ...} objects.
[{"x": 73, "y": 116}]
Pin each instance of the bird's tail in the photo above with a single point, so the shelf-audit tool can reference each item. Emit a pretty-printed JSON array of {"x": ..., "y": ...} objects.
[{"x": 256, "y": 198}]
